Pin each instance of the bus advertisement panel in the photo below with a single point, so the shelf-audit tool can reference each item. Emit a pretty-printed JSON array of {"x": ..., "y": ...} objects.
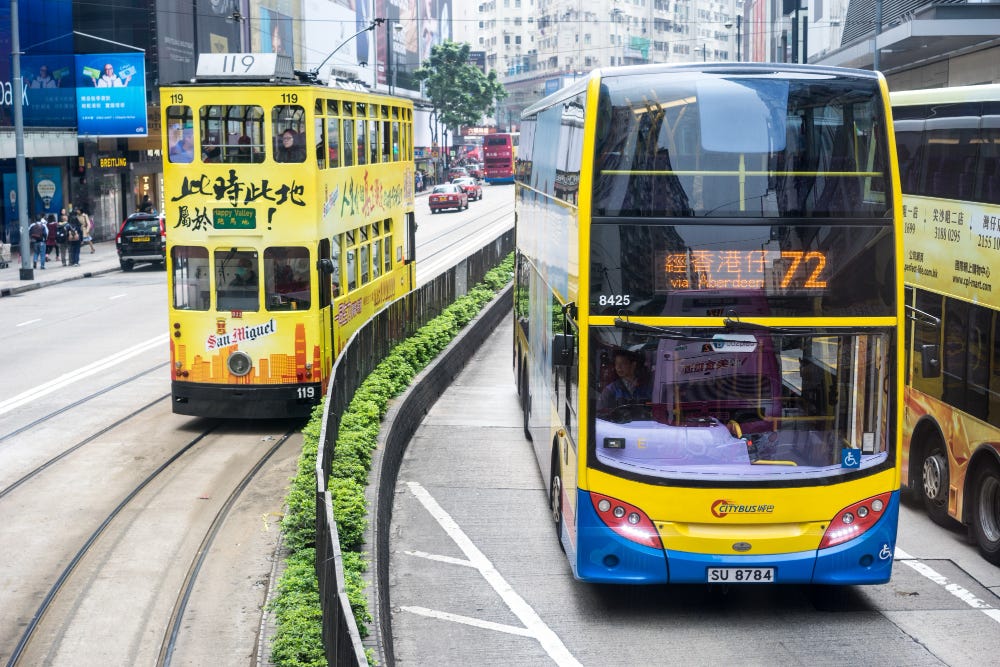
[
  {"x": 949, "y": 154},
  {"x": 707, "y": 328}
]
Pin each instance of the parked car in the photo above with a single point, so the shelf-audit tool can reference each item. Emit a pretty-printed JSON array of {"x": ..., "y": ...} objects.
[
  {"x": 142, "y": 238},
  {"x": 471, "y": 187},
  {"x": 457, "y": 172},
  {"x": 447, "y": 195}
]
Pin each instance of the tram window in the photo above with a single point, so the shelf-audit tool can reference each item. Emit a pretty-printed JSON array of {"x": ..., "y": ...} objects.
[
  {"x": 335, "y": 258},
  {"x": 287, "y": 278},
  {"x": 387, "y": 254},
  {"x": 332, "y": 108},
  {"x": 288, "y": 126},
  {"x": 364, "y": 264},
  {"x": 374, "y": 128},
  {"x": 180, "y": 135},
  {"x": 376, "y": 261},
  {"x": 231, "y": 133},
  {"x": 333, "y": 141},
  {"x": 237, "y": 279},
  {"x": 320, "y": 127},
  {"x": 352, "y": 278},
  {"x": 190, "y": 277},
  {"x": 348, "y": 143},
  {"x": 395, "y": 142},
  {"x": 362, "y": 133}
]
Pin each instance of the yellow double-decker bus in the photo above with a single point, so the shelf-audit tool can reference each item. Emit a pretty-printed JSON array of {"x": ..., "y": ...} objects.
[
  {"x": 949, "y": 158},
  {"x": 289, "y": 218},
  {"x": 708, "y": 318}
]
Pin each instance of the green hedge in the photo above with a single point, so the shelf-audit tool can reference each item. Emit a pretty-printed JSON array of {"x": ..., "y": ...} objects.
[{"x": 298, "y": 640}]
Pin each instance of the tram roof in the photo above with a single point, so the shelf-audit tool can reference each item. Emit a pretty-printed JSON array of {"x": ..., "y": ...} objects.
[{"x": 242, "y": 69}]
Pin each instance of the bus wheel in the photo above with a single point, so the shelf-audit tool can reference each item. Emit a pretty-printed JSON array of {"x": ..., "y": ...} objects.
[
  {"x": 555, "y": 502},
  {"x": 934, "y": 484},
  {"x": 986, "y": 511}
]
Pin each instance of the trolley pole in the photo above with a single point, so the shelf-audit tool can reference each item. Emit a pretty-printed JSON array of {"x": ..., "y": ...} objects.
[{"x": 27, "y": 273}]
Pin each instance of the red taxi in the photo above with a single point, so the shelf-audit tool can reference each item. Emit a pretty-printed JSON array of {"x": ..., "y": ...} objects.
[
  {"x": 447, "y": 195},
  {"x": 471, "y": 187}
]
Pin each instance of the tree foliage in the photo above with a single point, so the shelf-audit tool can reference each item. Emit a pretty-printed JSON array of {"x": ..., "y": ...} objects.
[{"x": 459, "y": 92}]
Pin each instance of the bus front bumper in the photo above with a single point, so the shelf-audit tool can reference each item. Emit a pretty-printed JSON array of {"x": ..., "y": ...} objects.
[{"x": 604, "y": 557}]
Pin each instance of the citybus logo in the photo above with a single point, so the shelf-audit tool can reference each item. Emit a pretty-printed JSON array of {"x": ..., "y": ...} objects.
[{"x": 721, "y": 508}]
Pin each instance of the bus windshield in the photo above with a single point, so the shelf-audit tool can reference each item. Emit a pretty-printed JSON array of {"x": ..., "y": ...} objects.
[
  {"x": 740, "y": 145},
  {"x": 706, "y": 404}
]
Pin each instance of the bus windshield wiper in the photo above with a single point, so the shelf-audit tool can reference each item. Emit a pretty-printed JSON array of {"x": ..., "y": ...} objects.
[{"x": 659, "y": 332}]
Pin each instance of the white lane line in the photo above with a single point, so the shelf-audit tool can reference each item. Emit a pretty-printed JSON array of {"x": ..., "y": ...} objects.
[
  {"x": 439, "y": 558},
  {"x": 24, "y": 324},
  {"x": 961, "y": 593},
  {"x": 74, "y": 376},
  {"x": 117, "y": 296},
  {"x": 534, "y": 625},
  {"x": 486, "y": 625}
]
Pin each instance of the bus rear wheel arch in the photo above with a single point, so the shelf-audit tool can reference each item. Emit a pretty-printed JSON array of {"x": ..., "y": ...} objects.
[{"x": 984, "y": 509}]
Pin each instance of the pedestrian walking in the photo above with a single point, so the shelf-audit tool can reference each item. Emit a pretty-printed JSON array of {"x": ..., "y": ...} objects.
[
  {"x": 38, "y": 232},
  {"x": 74, "y": 238},
  {"x": 62, "y": 238},
  {"x": 87, "y": 226},
  {"x": 51, "y": 244}
]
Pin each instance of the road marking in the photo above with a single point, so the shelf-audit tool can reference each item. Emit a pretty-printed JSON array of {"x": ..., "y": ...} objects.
[
  {"x": 117, "y": 296},
  {"x": 479, "y": 623},
  {"x": 24, "y": 324},
  {"x": 75, "y": 376},
  {"x": 961, "y": 593},
  {"x": 534, "y": 626}
]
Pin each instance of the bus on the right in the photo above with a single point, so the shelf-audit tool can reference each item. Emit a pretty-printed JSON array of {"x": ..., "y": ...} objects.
[{"x": 948, "y": 142}]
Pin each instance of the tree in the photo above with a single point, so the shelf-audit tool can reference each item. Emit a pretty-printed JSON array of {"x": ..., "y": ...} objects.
[{"x": 459, "y": 92}]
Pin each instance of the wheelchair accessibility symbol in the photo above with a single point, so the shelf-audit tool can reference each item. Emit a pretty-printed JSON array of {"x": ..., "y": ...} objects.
[
  {"x": 885, "y": 553},
  {"x": 850, "y": 458}
]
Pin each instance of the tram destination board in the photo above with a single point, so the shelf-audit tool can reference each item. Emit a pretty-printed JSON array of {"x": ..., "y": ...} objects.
[{"x": 234, "y": 218}]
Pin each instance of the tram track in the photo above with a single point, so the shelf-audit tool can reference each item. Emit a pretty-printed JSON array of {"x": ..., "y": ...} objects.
[{"x": 87, "y": 569}]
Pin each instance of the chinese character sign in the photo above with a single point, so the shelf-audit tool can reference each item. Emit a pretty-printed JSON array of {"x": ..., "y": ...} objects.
[{"x": 111, "y": 94}]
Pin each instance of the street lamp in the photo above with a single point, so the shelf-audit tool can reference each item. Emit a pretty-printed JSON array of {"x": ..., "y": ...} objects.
[
  {"x": 391, "y": 51},
  {"x": 313, "y": 74},
  {"x": 739, "y": 41}
]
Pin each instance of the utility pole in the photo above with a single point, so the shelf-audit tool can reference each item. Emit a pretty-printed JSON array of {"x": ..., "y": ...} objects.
[{"x": 27, "y": 273}]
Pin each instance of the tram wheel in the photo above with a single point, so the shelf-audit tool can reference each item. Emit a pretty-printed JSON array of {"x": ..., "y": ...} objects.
[
  {"x": 985, "y": 511},
  {"x": 934, "y": 483}
]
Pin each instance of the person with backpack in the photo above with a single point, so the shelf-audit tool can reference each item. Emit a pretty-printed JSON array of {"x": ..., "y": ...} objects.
[
  {"x": 74, "y": 238},
  {"x": 38, "y": 232}
]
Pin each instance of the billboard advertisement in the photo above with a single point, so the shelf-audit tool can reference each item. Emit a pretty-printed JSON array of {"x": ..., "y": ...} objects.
[
  {"x": 46, "y": 29},
  {"x": 46, "y": 190},
  {"x": 111, "y": 94}
]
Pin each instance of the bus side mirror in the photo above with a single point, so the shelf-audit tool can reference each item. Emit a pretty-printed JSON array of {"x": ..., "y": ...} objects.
[
  {"x": 325, "y": 266},
  {"x": 562, "y": 350},
  {"x": 930, "y": 365}
]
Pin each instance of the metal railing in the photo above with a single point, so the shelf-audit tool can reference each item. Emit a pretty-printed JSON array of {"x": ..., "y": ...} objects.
[{"x": 363, "y": 352}]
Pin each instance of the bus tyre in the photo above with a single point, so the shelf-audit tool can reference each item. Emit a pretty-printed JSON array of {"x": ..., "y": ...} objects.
[
  {"x": 985, "y": 501},
  {"x": 555, "y": 502},
  {"x": 934, "y": 483}
]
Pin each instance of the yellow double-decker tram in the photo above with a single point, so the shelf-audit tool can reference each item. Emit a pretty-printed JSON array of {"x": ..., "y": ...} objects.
[{"x": 289, "y": 217}]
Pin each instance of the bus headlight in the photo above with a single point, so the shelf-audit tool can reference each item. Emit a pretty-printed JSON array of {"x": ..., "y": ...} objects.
[{"x": 239, "y": 363}]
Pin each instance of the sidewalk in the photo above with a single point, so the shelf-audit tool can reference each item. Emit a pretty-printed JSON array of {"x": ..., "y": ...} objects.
[{"x": 103, "y": 260}]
